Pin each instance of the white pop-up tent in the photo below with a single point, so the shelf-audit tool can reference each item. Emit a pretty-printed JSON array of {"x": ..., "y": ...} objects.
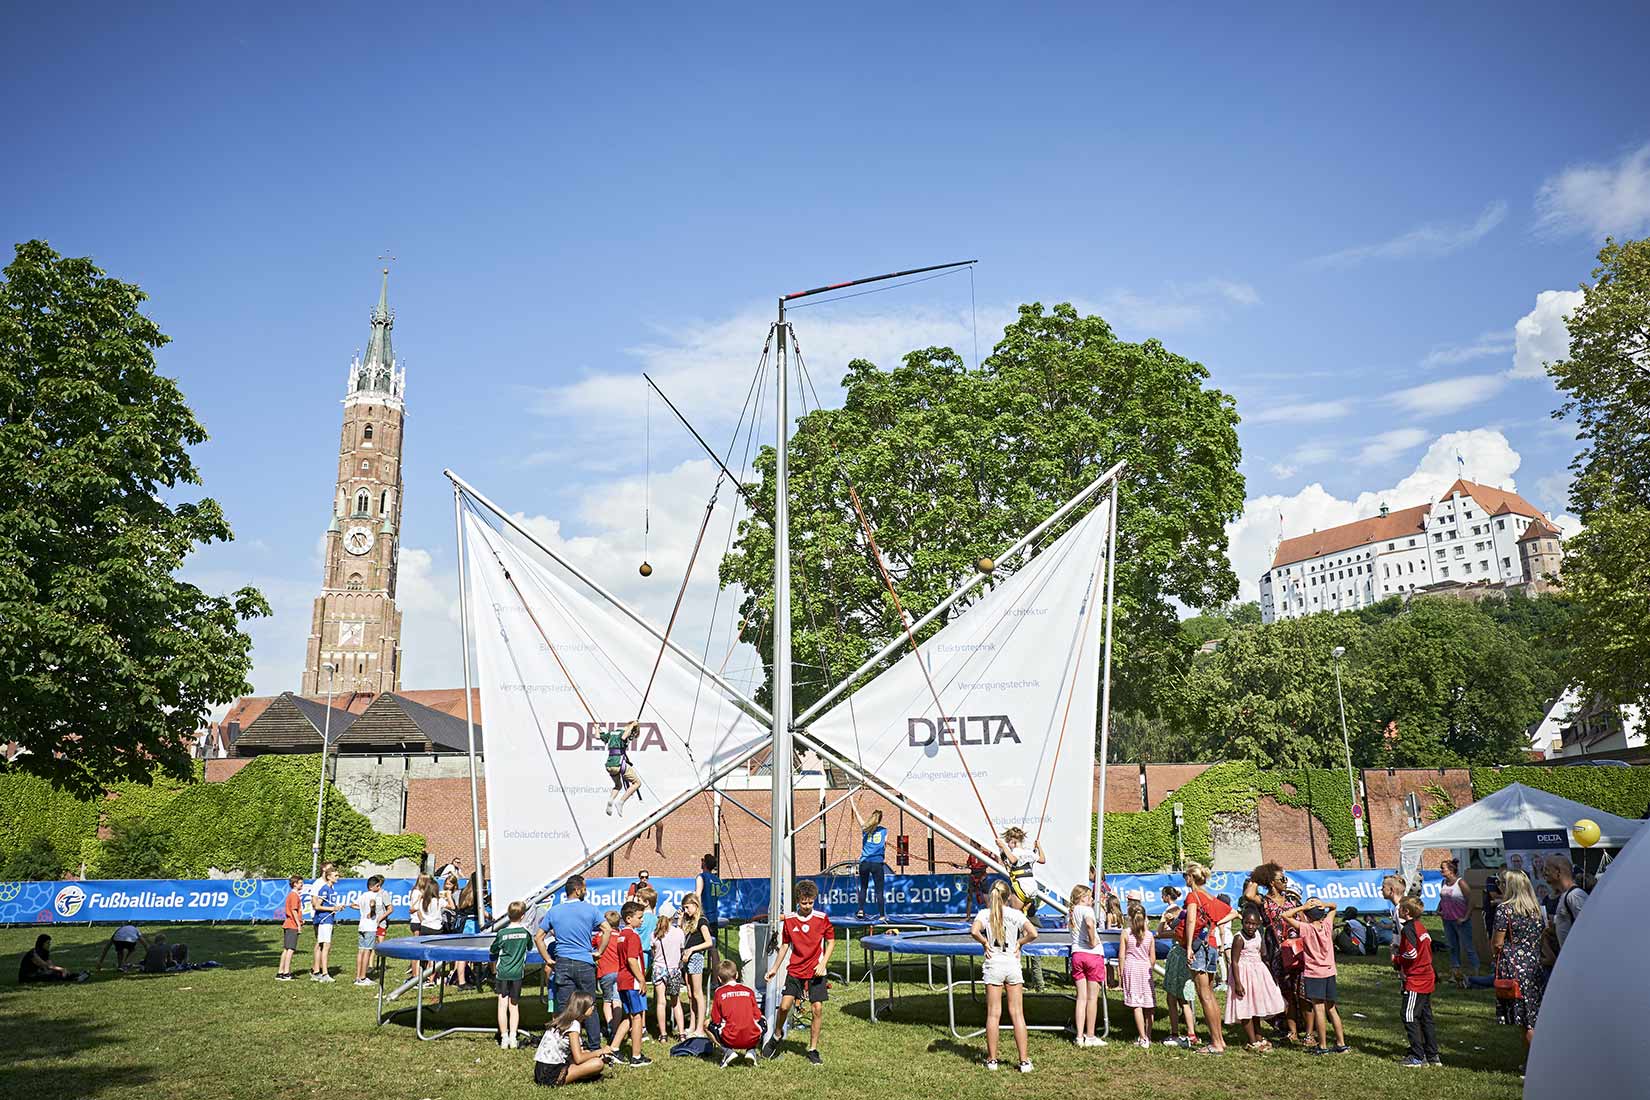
[{"x": 1514, "y": 806}]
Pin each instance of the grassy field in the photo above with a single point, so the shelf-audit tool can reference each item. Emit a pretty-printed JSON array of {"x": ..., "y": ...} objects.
[{"x": 235, "y": 1032}]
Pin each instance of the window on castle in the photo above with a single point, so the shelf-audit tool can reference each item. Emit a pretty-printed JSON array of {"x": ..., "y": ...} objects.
[
  {"x": 365, "y": 465},
  {"x": 384, "y": 503},
  {"x": 1506, "y": 563},
  {"x": 366, "y": 432},
  {"x": 363, "y": 503}
]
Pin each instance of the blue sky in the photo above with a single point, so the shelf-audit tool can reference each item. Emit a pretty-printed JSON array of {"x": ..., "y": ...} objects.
[{"x": 1345, "y": 215}]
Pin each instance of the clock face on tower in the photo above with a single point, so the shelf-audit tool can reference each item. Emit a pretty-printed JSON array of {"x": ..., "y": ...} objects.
[{"x": 358, "y": 540}]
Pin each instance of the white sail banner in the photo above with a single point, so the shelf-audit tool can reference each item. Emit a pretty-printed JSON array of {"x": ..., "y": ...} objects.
[
  {"x": 547, "y": 783},
  {"x": 1016, "y": 675}
]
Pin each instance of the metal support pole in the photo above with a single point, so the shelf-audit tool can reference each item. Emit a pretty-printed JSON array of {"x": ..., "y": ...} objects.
[
  {"x": 321, "y": 785},
  {"x": 477, "y": 874},
  {"x": 1351, "y": 780},
  {"x": 780, "y": 846}
]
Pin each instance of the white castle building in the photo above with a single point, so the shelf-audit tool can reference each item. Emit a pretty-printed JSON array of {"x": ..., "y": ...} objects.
[{"x": 1474, "y": 535}]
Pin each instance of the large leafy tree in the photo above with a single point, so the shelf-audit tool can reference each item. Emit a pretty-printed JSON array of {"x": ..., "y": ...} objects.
[
  {"x": 109, "y": 662},
  {"x": 1267, "y": 695},
  {"x": 1606, "y": 387},
  {"x": 952, "y": 463}
]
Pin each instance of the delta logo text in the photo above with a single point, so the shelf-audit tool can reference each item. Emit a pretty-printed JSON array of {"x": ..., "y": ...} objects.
[
  {"x": 573, "y": 736},
  {"x": 980, "y": 729}
]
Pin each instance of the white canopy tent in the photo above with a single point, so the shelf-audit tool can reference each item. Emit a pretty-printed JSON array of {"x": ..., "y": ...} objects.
[{"x": 1514, "y": 806}]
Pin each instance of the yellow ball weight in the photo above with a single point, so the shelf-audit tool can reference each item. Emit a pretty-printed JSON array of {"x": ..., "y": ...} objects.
[
  {"x": 985, "y": 565},
  {"x": 1586, "y": 832},
  {"x": 646, "y": 570}
]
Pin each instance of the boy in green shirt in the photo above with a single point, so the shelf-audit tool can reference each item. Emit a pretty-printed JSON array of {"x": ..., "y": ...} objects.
[
  {"x": 619, "y": 770},
  {"x": 509, "y": 952}
]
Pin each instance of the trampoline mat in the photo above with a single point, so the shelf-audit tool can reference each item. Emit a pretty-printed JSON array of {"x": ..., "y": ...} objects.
[
  {"x": 961, "y": 943},
  {"x": 446, "y": 949}
]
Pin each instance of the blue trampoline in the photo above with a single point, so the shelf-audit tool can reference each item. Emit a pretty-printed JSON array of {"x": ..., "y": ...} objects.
[
  {"x": 952, "y": 944},
  {"x": 901, "y": 922},
  {"x": 474, "y": 949}
]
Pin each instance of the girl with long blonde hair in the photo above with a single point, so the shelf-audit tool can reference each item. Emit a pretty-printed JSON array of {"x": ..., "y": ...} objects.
[
  {"x": 697, "y": 937},
  {"x": 1002, "y": 930},
  {"x": 1088, "y": 962}
]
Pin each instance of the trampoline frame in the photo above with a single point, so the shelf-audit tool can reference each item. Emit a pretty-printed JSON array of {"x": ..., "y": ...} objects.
[
  {"x": 434, "y": 963},
  {"x": 893, "y": 944}
]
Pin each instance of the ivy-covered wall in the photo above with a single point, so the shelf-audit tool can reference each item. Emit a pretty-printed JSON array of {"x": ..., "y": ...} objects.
[
  {"x": 260, "y": 821},
  {"x": 1624, "y": 792},
  {"x": 1145, "y": 841}
]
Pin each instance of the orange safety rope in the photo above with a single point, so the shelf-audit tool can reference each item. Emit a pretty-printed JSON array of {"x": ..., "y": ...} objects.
[
  {"x": 905, "y": 624},
  {"x": 1082, "y": 642},
  {"x": 664, "y": 642}
]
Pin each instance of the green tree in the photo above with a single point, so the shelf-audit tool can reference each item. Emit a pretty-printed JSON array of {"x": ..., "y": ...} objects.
[
  {"x": 36, "y": 861},
  {"x": 108, "y": 661},
  {"x": 1267, "y": 695},
  {"x": 138, "y": 849},
  {"x": 1606, "y": 387},
  {"x": 1451, "y": 684},
  {"x": 951, "y": 464}
]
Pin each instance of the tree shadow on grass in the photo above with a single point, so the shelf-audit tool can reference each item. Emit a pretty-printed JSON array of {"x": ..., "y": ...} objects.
[{"x": 37, "y": 1046}]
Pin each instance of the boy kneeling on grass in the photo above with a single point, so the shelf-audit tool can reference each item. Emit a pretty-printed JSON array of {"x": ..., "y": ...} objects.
[
  {"x": 509, "y": 952},
  {"x": 735, "y": 1023},
  {"x": 807, "y": 939}
]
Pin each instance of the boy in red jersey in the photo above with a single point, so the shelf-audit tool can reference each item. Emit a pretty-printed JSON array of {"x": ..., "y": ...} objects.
[
  {"x": 1412, "y": 955},
  {"x": 807, "y": 940},
  {"x": 632, "y": 986},
  {"x": 734, "y": 1021},
  {"x": 292, "y": 919}
]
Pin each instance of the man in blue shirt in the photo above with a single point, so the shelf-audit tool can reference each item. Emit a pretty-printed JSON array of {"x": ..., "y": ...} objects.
[
  {"x": 573, "y": 921},
  {"x": 872, "y": 858}
]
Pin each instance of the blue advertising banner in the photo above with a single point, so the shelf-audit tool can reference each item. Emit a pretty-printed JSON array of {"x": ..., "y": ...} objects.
[
  {"x": 1361, "y": 889},
  {"x": 170, "y": 900}
]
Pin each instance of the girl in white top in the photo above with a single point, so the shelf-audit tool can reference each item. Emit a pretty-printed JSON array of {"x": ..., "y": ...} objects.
[
  {"x": 1002, "y": 929},
  {"x": 1088, "y": 963},
  {"x": 561, "y": 1058}
]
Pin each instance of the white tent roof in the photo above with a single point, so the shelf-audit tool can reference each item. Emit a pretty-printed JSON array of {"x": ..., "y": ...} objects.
[{"x": 1514, "y": 806}]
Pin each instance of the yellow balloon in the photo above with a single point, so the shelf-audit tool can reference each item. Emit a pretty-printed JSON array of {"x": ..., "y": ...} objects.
[{"x": 1586, "y": 832}]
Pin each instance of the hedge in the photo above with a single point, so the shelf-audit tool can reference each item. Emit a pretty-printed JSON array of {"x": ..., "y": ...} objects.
[
  {"x": 260, "y": 821},
  {"x": 1145, "y": 841},
  {"x": 1624, "y": 792}
]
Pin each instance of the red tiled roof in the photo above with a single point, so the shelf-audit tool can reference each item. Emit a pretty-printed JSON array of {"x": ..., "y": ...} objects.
[
  {"x": 1539, "y": 528},
  {"x": 1360, "y": 532},
  {"x": 1495, "y": 502}
]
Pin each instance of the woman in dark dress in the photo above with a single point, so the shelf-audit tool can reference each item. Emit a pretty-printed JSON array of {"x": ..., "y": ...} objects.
[
  {"x": 1270, "y": 877},
  {"x": 1516, "y": 949}
]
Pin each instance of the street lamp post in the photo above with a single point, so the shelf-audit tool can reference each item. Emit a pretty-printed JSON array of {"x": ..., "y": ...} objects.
[
  {"x": 321, "y": 788},
  {"x": 1351, "y": 780}
]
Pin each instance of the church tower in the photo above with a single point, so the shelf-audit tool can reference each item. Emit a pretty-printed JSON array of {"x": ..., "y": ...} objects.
[{"x": 356, "y": 626}]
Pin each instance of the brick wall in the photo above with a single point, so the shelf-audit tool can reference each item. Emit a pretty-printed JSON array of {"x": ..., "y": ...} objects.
[
  {"x": 1388, "y": 817},
  {"x": 1163, "y": 779},
  {"x": 1122, "y": 788},
  {"x": 219, "y": 770},
  {"x": 1291, "y": 837},
  {"x": 440, "y": 809}
]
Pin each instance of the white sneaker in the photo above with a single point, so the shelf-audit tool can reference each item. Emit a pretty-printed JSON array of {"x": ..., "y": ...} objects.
[
  {"x": 728, "y": 1057},
  {"x": 363, "y": 981},
  {"x": 991, "y": 1064},
  {"x": 326, "y": 978},
  {"x": 1025, "y": 1067},
  {"x": 1143, "y": 1043},
  {"x": 610, "y": 807}
]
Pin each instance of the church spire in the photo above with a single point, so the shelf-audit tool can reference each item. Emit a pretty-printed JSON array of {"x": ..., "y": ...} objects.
[{"x": 377, "y": 373}]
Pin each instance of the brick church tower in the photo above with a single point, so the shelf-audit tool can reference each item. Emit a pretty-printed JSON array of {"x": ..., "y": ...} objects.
[{"x": 356, "y": 626}]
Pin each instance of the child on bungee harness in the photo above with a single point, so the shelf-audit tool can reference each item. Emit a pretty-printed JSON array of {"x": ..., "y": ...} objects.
[{"x": 619, "y": 769}]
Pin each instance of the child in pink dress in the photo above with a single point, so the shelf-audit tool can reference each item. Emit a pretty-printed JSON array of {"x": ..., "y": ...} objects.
[
  {"x": 1139, "y": 956},
  {"x": 1252, "y": 995}
]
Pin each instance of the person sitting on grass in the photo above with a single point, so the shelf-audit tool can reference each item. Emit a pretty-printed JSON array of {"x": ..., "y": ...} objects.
[
  {"x": 735, "y": 1023},
  {"x": 509, "y": 955},
  {"x": 37, "y": 965},
  {"x": 125, "y": 941},
  {"x": 561, "y": 1058}
]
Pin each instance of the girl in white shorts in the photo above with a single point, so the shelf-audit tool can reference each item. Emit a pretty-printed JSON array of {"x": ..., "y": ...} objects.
[{"x": 1002, "y": 929}]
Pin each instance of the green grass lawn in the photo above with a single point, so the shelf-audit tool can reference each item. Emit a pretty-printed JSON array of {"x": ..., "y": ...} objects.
[{"x": 235, "y": 1032}]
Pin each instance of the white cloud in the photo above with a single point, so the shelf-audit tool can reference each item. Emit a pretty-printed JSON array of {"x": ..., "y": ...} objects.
[
  {"x": 1242, "y": 294},
  {"x": 1432, "y": 239},
  {"x": 1253, "y": 536},
  {"x": 1448, "y": 395},
  {"x": 1389, "y": 445},
  {"x": 1283, "y": 470},
  {"x": 1302, "y": 412},
  {"x": 1487, "y": 346},
  {"x": 1598, "y": 199},
  {"x": 1553, "y": 491},
  {"x": 1541, "y": 335}
]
